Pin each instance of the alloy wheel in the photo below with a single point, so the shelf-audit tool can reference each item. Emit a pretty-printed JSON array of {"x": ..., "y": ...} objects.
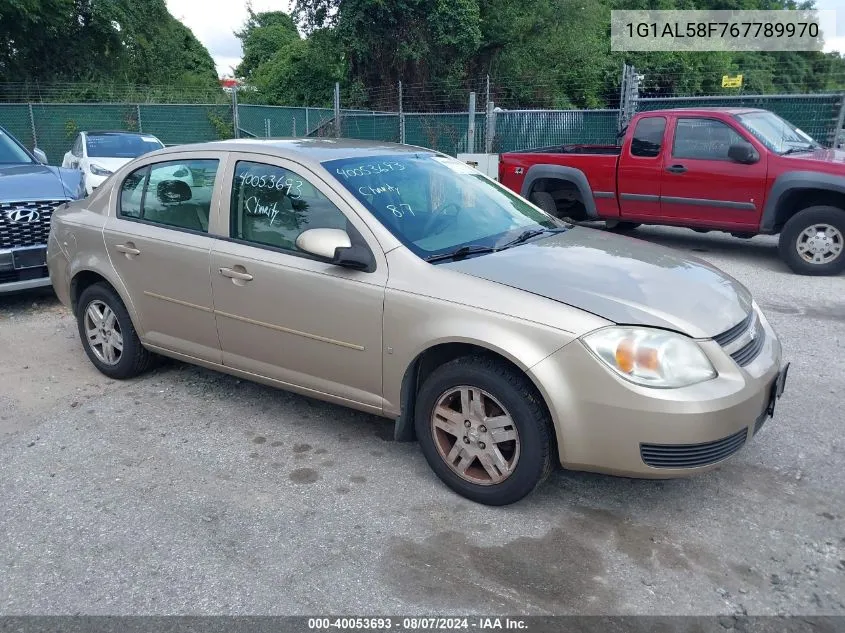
[
  {"x": 103, "y": 332},
  {"x": 475, "y": 435}
]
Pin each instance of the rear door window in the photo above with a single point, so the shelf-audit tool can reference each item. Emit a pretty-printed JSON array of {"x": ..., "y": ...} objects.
[
  {"x": 648, "y": 137},
  {"x": 176, "y": 194}
]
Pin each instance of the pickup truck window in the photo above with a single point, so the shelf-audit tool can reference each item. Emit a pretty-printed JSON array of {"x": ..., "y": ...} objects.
[
  {"x": 703, "y": 139},
  {"x": 648, "y": 137}
]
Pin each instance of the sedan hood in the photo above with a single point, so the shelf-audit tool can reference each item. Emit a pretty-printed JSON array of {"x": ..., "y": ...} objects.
[
  {"x": 624, "y": 280},
  {"x": 37, "y": 182},
  {"x": 108, "y": 162}
]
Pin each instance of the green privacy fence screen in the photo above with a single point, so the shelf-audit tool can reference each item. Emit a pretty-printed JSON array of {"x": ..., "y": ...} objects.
[
  {"x": 53, "y": 126},
  {"x": 817, "y": 115},
  {"x": 524, "y": 129}
]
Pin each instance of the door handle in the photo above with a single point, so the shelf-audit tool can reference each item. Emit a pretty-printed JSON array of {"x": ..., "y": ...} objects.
[
  {"x": 127, "y": 249},
  {"x": 236, "y": 274},
  {"x": 676, "y": 169}
]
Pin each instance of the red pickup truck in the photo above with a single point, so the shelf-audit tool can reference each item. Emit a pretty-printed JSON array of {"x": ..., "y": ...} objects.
[{"x": 744, "y": 171}]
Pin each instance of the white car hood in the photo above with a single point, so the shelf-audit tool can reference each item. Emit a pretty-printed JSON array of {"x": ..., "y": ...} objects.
[{"x": 112, "y": 164}]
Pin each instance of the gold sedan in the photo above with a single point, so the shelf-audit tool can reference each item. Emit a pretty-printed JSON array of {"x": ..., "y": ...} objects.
[{"x": 401, "y": 282}]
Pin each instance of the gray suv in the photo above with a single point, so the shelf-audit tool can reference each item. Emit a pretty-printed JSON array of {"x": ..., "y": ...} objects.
[{"x": 29, "y": 192}]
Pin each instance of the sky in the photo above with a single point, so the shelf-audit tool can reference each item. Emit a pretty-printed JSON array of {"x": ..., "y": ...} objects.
[{"x": 215, "y": 26}]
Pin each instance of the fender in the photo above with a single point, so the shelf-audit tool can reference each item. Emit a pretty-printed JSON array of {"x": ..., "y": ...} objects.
[
  {"x": 404, "y": 430},
  {"x": 105, "y": 270},
  {"x": 789, "y": 181},
  {"x": 559, "y": 172}
]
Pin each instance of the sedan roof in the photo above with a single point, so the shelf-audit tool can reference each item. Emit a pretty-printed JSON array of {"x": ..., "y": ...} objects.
[{"x": 314, "y": 149}]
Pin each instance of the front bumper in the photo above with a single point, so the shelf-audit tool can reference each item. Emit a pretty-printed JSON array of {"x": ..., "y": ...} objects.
[
  {"x": 14, "y": 278},
  {"x": 606, "y": 424}
]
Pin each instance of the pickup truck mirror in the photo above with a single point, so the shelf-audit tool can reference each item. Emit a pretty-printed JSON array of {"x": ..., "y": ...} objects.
[{"x": 743, "y": 153}]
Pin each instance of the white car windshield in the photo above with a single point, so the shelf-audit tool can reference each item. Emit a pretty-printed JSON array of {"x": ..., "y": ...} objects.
[
  {"x": 117, "y": 145},
  {"x": 776, "y": 133},
  {"x": 434, "y": 204},
  {"x": 11, "y": 152}
]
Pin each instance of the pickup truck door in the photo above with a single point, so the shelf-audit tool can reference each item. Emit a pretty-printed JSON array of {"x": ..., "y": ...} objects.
[
  {"x": 701, "y": 185},
  {"x": 640, "y": 169}
]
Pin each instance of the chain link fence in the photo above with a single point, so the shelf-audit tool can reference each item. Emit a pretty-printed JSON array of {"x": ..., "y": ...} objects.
[{"x": 416, "y": 115}]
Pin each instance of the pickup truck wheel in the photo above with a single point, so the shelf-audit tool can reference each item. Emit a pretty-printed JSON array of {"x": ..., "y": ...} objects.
[
  {"x": 813, "y": 241},
  {"x": 545, "y": 201},
  {"x": 622, "y": 227},
  {"x": 484, "y": 430}
]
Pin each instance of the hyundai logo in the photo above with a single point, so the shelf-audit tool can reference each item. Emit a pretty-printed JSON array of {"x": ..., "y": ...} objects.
[{"x": 23, "y": 216}]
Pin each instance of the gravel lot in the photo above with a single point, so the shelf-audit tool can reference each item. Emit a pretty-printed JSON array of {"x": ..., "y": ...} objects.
[{"x": 186, "y": 491}]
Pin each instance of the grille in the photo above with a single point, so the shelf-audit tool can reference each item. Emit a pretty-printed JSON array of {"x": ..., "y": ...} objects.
[
  {"x": 744, "y": 340},
  {"x": 748, "y": 352},
  {"x": 692, "y": 455},
  {"x": 35, "y": 233},
  {"x": 10, "y": 276},
  {"x": 735, "y": 332}
]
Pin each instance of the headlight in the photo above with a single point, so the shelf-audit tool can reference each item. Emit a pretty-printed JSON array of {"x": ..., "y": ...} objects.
[
  {"x": 98, "y": 171},
  {"x": 653, "y": 358}
]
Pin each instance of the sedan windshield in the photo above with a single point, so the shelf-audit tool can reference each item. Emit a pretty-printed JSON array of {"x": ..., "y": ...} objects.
[
  {"x": 120, "y": 145},
  {"x": 437, "y": 205},
  {"x": 11, "y": 152},
  {"x": 776, "y": 133}
]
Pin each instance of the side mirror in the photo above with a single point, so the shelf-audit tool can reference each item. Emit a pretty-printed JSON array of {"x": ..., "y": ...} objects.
[
  {"x": 743, "y": 153},
  {"x": 40, "y": 156},
  {"x": 335, "y": 246}
]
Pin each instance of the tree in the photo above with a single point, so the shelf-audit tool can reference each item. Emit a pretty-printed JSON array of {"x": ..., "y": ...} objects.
[
  {"x": 118, "y": 41},
  {"x": 263, "y": 35}
]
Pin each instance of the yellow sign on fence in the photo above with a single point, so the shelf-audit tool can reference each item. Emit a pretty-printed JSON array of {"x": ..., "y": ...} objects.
[{"x": 731, "y": 82}]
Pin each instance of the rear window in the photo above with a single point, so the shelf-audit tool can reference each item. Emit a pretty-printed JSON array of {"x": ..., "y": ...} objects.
[{"x": 648, "y": 137}]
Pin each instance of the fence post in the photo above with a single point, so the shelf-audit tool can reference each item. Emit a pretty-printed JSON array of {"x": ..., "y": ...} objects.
[
  {"x": 401, "y": 117},
  {"x": 293, "y": 126},
  {"x": 487, "y": 94},
  {"x": 138, "y": 112},
  {"x": 32, "y": 127},
  {"x": 490, "y": 127},
  {"x": 307, "y": 125},
  {"x": 840, "y": 121},
  {"x": 628, "y": 94},
  {"x": 235, "y": 118},
  {"x": 337, "y": 109},
  {"x": 471, "y": 127}
]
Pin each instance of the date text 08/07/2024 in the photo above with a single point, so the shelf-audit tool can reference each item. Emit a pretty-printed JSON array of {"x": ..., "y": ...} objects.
[{"x": 417, "y": 624}]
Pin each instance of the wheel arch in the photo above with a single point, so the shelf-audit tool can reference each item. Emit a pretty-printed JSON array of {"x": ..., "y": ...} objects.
[
  {"x": 438, "y": 354},
  {"x": 543, "y": 175},
  {"x": 83, "y": 278},
  {"x": 797, "y": 190}
]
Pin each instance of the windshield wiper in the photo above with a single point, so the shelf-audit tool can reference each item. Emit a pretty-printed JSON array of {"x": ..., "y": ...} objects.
[
  {"x": 527, "y": 235},
  {"x": 795, "y": 150},
  {"x": 460, "y": 253}
]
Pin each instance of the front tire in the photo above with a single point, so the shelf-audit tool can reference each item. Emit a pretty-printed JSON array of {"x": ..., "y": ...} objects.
[
  {"x": 812, "y": 242},
  {"x": 484, "y": 430},
  {"x": 108, "y": 335},
  {"x": 622, "y": 227}
]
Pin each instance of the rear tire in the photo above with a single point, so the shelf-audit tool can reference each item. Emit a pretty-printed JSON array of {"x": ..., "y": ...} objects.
[
  {"x": 494, "y": 445},
  {"x": 108, "y": 335},
  {"x": 812, "y": 242}
]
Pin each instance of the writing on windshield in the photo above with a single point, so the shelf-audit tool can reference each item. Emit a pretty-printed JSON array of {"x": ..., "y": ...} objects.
[{"x": 435, "y": 204}]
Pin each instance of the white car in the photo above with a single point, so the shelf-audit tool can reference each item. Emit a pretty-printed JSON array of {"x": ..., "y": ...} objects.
[{"x": 98, "y": 154}]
